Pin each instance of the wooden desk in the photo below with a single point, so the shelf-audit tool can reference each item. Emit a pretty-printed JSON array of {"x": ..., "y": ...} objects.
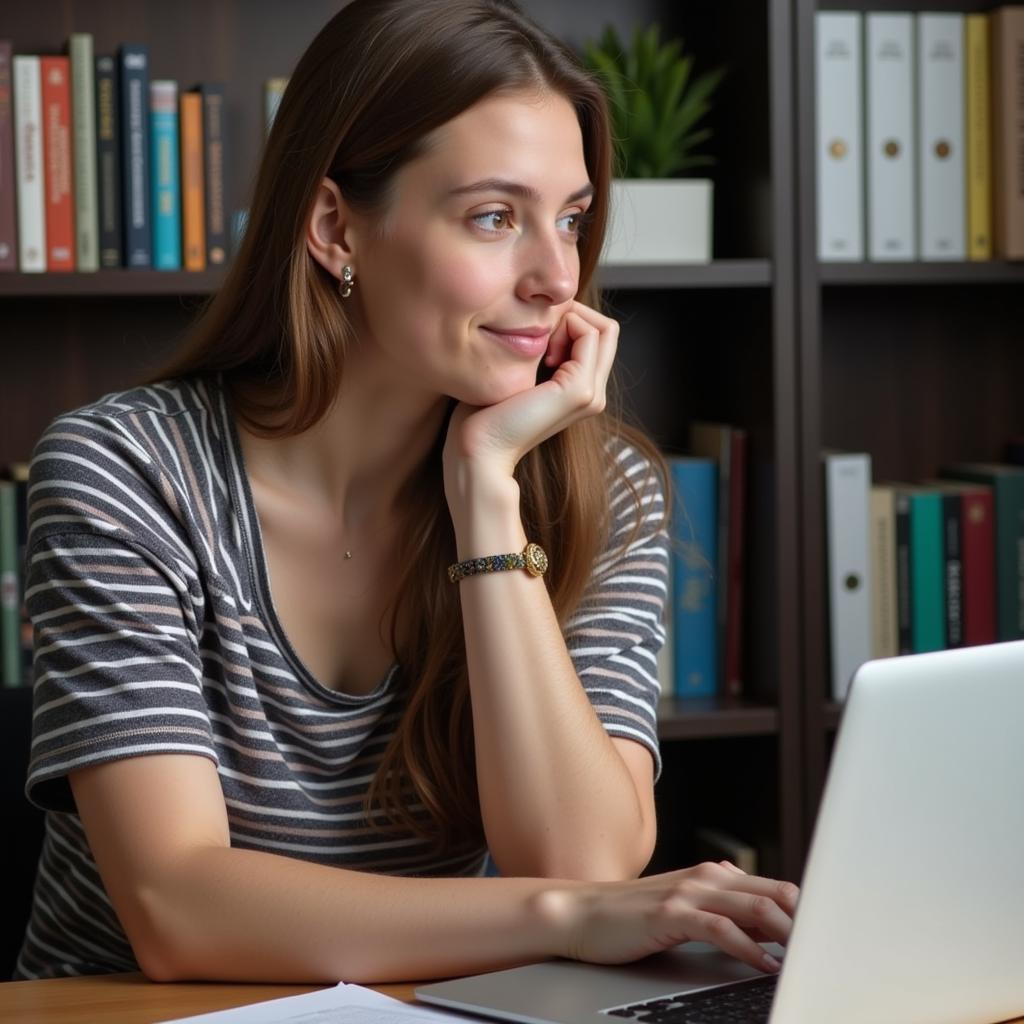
[{"x": 130, "y": 999}]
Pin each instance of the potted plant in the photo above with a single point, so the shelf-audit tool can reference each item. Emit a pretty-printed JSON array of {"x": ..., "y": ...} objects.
[{"x": 657, "y": 106}]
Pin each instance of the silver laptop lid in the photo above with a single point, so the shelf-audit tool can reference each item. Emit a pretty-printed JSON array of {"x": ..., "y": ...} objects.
[{"x": 912, "y": 906}]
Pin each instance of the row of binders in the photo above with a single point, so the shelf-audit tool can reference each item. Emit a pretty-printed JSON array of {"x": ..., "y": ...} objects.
[
  {"x": 102, "y": 167},
  {"x": 922, "y": 567},
  {"x": 703, "y": 653},
  {"x": 919, "y": 135}
]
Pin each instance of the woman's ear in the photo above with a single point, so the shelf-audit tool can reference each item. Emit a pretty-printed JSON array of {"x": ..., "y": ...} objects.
[{"x": 330, "y": 233}]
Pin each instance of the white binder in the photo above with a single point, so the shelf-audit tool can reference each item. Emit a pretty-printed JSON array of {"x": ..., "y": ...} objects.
[
  {"x": 838, "y": 132},
  {"x": 29, "y": 169},
  {"x": 942, "y": 154},
  {"x": 889, "y": 72},
  {"x": 847, "y": 519}
]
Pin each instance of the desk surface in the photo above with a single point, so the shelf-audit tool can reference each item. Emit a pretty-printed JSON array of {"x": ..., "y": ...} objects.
[{"x": 130, "y": 999}]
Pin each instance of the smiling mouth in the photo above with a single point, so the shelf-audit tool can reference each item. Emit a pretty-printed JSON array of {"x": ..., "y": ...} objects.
[{"x": 531, "y": 342}]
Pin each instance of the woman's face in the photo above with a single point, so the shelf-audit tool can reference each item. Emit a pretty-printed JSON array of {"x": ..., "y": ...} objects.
[{"x": 479, "y": 241}]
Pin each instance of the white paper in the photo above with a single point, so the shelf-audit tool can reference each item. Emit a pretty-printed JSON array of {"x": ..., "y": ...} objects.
[{"x": 343, "y": 1004}]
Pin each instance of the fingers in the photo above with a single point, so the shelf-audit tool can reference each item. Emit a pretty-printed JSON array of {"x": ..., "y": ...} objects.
[
  {"x": 751, "y": 912},
  {"x": 724, "y": 933}
]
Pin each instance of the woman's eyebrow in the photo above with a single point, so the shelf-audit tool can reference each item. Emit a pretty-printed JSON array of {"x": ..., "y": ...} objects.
[{"x": 516, "y": 188}]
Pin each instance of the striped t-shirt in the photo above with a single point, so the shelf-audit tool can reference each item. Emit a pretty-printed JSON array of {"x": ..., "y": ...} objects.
[{"x": 155, "y": 632}]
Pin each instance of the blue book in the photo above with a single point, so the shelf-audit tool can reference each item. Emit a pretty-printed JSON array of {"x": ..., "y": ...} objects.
[
  {"x": 927, "y": 571},
  {"x": 134, "y": 111},
  {"x": 694, "y": 575},
  {"x": 165, "y": 186}
]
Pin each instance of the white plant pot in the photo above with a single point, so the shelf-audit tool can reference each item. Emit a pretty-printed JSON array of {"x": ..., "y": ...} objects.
[{"x": 659, "y": 220}]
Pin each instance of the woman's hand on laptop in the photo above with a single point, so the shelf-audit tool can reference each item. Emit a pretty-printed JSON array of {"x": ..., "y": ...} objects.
[{"x": 618, "y": 922}]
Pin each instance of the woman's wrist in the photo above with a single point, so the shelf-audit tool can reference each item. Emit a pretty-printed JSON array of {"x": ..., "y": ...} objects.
[
  {"x": 560, "y": 911},
  {"x": 484, "y": 507}
]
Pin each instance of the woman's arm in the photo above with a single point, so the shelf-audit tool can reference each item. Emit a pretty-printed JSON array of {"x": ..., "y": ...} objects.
[
  {"x": 559, "y": 797},
  {"x": 193, "y": 907}
]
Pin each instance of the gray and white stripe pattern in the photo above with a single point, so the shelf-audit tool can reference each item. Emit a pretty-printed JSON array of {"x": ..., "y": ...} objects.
[{"x": 155, "y": 633}]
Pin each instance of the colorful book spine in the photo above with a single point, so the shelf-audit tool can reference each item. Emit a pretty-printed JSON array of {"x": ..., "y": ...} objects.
[
  {"x": 55, "y": 78},
  {"x": 28, "y": 149},
  {"x": 978, "y": 74},
  {"x": 978, "y": 534},
  {"x": 134, "y": 108},
  {"x": 952, "y": 552},
  {"x": 1007, "y": 40},
  {"x": 1007, "y": 483},
  {"x": 164, "y": 162},
  {"x": 83, "y": 119},
  {"x": 904, "y": 587},
  {"x": 108, "y": 163},
  {"x": 193, "y": 233},
  {"x": 10, "y": 603},
  {"x": 214, "y": 163},
  {"x": 694, "y": 584},
  {"x": 928, "y": 622},
  {"x": 884, "y": 624},
  {"x": 8, "y": 178}
]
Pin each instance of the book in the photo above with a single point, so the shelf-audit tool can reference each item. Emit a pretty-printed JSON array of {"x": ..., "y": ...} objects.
[
  {"x": 1007, "y": 483},
  {"x": 1007, "y": 41},
  {"x": 977, "y": 543},
  {"x": 108, "y": 163},
  {"x": 83, "y": 120},
  {"x": 55, "y": 79},
  {"x": 847, "y": 501},
  {"x": 17, "y": 472},
  {"x": 8, "y": 180},
  {"x": 838, "y": 134},
  {"x": 666, "y": 656},
  {"x": 884, "y": 617},
  {"x": 28, "y": 152},
  {"x": 728, "y": 446},
  {"x": 193, "y": 234},
  {"x": 978, "y": 142},
  {"x": 927, "y": 569},
  {"x": 10, "y": 592},
  {"x": 692, "y": 536},
  {"x": 889, "y": 136},
  {"x": 214, "y": 174},
  {"x": 137, "y": 241},
  {"x": 164, "y": 161},
  {"x": 273, "y": 91},
  {"x": 904, "y": 587},
  {"x": 942, "y": 187},
  {"x": 953, "y": 567}
]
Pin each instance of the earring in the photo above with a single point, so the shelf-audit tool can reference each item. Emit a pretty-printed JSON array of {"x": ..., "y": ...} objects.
[{"x": 348, "y": 279}]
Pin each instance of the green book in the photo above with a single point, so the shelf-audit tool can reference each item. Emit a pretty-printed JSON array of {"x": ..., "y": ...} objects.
[
  {"x": 1007, "y": 483},
  {"x": 927, "y": 572},
  {"x": 10, "y": 600},
  {"x": 83, "y": 120}
]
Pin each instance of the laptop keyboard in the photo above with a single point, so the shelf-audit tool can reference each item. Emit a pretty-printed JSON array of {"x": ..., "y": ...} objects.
[{"x": 746, "y": 1002}]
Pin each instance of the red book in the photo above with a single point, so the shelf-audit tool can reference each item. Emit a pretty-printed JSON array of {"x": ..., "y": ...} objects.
[
  {"x": 979, "y": 545},
  {"x": 55, "y": 76}
]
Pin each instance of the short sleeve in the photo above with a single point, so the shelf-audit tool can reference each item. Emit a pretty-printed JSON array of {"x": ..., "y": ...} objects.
[
  {"x": 616, "y": 633},
  {"x": 117, "y": 670}
]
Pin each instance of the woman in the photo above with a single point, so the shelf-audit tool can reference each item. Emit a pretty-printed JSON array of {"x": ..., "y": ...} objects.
[{"x": 286, "y": 699}]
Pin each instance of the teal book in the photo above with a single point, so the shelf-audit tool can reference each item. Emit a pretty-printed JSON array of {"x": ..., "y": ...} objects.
[
  {"x": 165, "y": 186},
  {"x": 693, "y": 553},
  {"x": 927, "y": 571},
  {"x": 1007, "y": 483}
]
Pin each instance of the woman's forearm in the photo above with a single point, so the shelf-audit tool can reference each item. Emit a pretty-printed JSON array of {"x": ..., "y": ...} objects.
[
  {"x": 556, "y": 797},
  {"x": 241, "y": 915}
]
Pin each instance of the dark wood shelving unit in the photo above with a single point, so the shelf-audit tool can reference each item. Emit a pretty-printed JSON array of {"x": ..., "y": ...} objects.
[
  {"x": 991, "y": 272},
  {"x": 718, "y": 274},
  {"x": 682, "y": 718},
  {"x": 111, "y": 284}
]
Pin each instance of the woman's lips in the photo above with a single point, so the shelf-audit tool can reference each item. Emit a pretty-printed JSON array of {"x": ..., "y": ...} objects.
[{"x": 530, "y": 342}]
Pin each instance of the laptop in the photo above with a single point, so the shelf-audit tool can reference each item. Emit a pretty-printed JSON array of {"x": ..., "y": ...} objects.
[{"x": 912, "y": 903}]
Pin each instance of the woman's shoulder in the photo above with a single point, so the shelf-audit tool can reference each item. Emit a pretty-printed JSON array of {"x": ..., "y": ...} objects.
[{"x": 635, "y": 472}]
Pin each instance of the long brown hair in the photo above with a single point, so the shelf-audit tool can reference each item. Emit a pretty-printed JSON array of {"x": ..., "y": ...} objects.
[{"x": 361, "y": 103}]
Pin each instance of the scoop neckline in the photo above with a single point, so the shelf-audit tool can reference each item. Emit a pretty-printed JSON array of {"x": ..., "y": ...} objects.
[{"x": 259, "y": 572}]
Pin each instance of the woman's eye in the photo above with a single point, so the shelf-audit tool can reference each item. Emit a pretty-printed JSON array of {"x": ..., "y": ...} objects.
[
  {"x": 493, "y": 220},
  {"x": 572, "y": 222}
]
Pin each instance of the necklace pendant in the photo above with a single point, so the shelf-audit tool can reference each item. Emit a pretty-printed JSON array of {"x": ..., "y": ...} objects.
[{"x": 348, "y": 554}]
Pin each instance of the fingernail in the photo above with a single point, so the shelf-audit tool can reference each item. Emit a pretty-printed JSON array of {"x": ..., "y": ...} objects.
[{"x": 770, "y": 962}]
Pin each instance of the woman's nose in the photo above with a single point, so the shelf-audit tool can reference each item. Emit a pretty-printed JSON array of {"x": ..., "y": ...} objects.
[{"x": 550, "y": 271}]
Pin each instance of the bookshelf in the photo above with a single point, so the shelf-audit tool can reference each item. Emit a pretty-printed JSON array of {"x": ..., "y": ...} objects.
[
  {"x": 712, "y": 342},
  {"x": 918, "y": 364}
]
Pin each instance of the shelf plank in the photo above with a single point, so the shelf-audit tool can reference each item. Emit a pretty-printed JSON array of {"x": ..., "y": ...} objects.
[
  {"x": 107, "y": 283},
  {"x": 705, "y": 718},
  {"x": 717, "y": 274},
  {"x": 990, "y": 272},
  {"x": 111, "y": 283}
]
